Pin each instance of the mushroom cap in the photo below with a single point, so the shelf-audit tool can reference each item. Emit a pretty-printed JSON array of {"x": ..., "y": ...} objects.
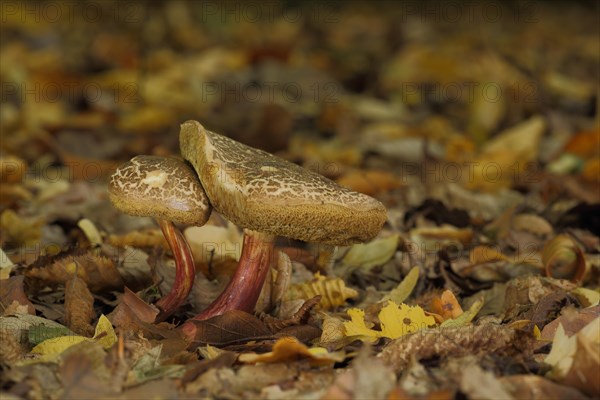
[
  {"x": 259, "y": 191},
  {"x": 160, "y": 187}
]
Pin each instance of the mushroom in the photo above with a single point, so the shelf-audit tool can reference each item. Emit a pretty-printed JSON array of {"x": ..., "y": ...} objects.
[
  {"x": 269, "y": 196},
  {"x": 167, "y": 189}
]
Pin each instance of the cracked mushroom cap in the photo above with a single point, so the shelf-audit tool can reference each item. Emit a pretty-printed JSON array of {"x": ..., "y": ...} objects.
[
  {"x": 159, "y": 187},
  {"x": 258, "y": 191}
]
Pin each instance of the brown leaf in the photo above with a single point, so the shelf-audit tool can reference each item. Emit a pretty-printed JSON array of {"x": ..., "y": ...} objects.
[
  {"x": 132, "y": 313},
  {"x": 232, "y": 327},
  {"x": 299, "y": 317},
  {"x": 79, "y": 307},
  {"x": 224, "y": 360},
  {"x": 370, "y": 182},
  {"x": 11, "y": 290},
  {"x": 537, "y": 388},
  {"x": 572, "y": 321},
  {"x": 564, "y": 259},
  {"x": 79, "y": 378},
  {"x": 98, "y": 272}
]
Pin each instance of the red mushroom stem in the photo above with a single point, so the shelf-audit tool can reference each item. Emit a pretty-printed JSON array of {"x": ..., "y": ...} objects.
[
  {"x": 185, "y": 271},
  {"x": 244, "y": 288}
]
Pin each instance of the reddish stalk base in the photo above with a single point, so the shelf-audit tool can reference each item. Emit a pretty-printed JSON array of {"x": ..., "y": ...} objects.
[
  {"x": 185, "y": 271},
  {"x": 244, "y": 288}
]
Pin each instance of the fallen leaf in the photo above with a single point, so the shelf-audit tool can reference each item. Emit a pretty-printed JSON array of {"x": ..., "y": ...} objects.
[
  {"x": 396, "y": 321},
  {"x": 231, "y": 327},
  {"x": 537, "y": 388},
  {"x": 587, "y": 297},
  {"x": 564, "y": 259},
  {"x": 19, "y": 230},
  {"x": 145, "y": 238},
  {"x": 6, "y": 265},
  {"x": 368, "y": 255},
  {"x": 485, "y": 254},
  {"x": 49, "y": 350},
  {"x": 405, "y": 288},
  {"x": 369, "y": 182},
  {"x": 289, "y": 349},
  {"x": 465, "y": 317},
  {"x": 445, "y": 307},
  {"x": 79, "y": 307},
  {"x": 11, "y": 291},
  {"x": 148, "y": 367},
  {"x": 98, "y": 272},
  {"x": 575, "y": 360},
  {"x": 333, "y": 291},
  {"x": 90, "y": 231},
  {"x": 571, "y": 320}
]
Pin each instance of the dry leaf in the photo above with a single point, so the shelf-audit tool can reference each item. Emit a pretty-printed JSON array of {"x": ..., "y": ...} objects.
[
  {"x": 445, "y": 307},
  {"x": 50, "y": 350},
  {"x": 405, "y": 288},
  {"x": 232, "y": 327},
  {"x": 369, "y": 182},
  {"x": 465, "y": 317},
  {"x": 20, "y": 231},
  {"x": 533, "y": 224},
  {"x": 79, "y": 307},
  {"x": 485, "y": 254},
  {"x": 90, "y": 231},
  {"x": 145, "y": 238},
  {"x": 535, "y": 387},
  {"x": 575, "y": 360},
  {"x": 333, "y": 291},
  {"x": 564, "y": 259},
  {"x": 98, "y": 272},
  {"x": 396, "y": 321},
  {"x": 587, "y": 297},
  {"x": 289, "y": 349},
  {"x": 368, "y": 255},
  {"x": 11, "y": 291}
]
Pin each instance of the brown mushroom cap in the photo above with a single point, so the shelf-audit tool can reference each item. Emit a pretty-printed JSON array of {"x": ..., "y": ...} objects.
[
  {"x": 259, "y": 191},
  {"x": 159, "y": 187}
]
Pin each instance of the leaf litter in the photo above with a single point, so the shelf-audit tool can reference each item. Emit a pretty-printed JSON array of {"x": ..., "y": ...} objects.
[{"x": 482, "y": 284}]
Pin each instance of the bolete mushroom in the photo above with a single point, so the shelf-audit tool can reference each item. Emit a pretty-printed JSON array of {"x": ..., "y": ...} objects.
[
  {"x": 167, "y": 189},
  {"x": 269, "y": 196}
]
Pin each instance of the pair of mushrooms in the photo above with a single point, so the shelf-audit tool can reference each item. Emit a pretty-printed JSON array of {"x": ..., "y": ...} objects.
[{"x": 265, "y": 195}]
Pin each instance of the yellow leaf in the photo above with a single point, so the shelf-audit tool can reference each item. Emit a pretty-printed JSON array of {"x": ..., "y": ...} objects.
[
  {"x": 105, "y": 334},
  {"x": 396, "y": 321},
  {"x": 57, "y": 345},
  {"x": 50, "y": 349},
  {"x": 405, "y": 288},
  {"x": 356, "y": 326},
  {"x": 400, "y": 320},
  {"x": 333, "y": 291},
  {"x": 466, "y": 316},
  {"x": 536, "y": 332}
]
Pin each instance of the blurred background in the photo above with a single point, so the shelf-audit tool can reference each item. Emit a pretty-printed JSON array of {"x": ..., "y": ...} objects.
[{"x": 403, "y": 100}]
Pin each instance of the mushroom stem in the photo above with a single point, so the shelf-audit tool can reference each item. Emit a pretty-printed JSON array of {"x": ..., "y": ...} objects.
[
  {"x": 185, "y": 270},
  {"x": 244, "y": 288}
]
